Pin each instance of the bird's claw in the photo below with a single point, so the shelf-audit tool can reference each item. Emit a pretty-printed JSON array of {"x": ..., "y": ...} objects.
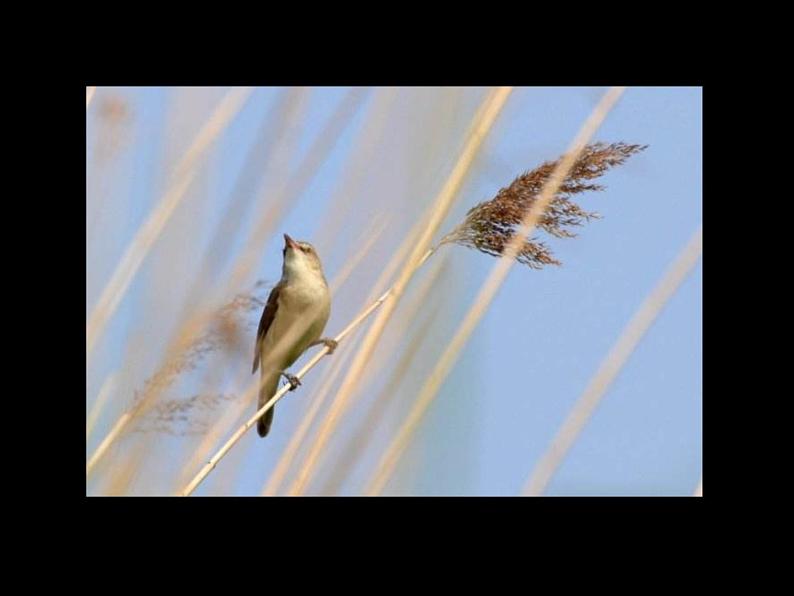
[
  {"x": 330, "y": 344},
  {"x": 294, "y": 382}
]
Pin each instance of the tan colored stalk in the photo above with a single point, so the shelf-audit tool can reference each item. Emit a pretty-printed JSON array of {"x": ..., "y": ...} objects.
[
  {"x": 613, "y": 364},
  {"x": 388, "y": 461},
  {"x": 150, "y": 231},
  {"x": 125, "y": 469},
  {"x": 486, "y": 116},
  {"x": 121, "y": 475},
  {"x": 108, "y": 440},
  {"x": 699, "y": 489}
]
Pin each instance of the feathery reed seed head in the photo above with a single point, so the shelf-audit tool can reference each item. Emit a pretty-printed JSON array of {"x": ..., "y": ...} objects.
[
  {"x": 183, "y": 416},
  {"x": 489, "y": 226},
  {"x": 225, "y": 333}
]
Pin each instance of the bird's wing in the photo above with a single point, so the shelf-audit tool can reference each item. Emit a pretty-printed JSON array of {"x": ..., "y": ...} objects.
[{"x": 264, "y": 323}]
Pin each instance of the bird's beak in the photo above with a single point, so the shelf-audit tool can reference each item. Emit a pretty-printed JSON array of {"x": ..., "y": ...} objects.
[{"x": 290, "y": 242}]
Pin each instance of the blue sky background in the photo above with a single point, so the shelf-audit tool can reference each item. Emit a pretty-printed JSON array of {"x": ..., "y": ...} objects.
[{"x": 534, "y": 351}]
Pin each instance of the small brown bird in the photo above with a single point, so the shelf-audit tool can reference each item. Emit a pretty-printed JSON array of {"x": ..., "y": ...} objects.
[{"x": 293, "y": 320}]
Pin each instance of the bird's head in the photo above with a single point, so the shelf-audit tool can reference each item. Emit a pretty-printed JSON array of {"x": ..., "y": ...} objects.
[{"x": 300, "y": 258}]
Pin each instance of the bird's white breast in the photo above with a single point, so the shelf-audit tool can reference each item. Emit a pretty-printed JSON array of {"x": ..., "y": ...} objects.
[{"x": 304, "y": 305}]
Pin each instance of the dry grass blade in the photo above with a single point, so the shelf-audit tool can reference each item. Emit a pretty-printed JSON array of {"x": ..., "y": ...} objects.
[
  {"x": 126, "y": 469},
  {"x": 149, "y": 232},
  {"x": 108, "y": 441},
  {"x": 613, "y": 364},
  {"x": 499, "y": 272},
  {"x": 123, "y": 474},
  {"x": 699, "y": 489},
  {"x": 482, "y": 124}
]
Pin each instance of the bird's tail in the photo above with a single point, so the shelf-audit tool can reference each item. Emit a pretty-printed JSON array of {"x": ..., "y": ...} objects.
[{"x": 269, "y": 388}]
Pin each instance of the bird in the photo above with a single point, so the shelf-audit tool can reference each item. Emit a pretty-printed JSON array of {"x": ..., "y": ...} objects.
[{"x": 293, "y": 320}]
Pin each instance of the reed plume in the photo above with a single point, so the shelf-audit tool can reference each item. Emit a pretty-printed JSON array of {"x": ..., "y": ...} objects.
[
  {"x": 489, "y": 226},
  {"x": 180, "y": 417},
  {"x": 224, "y": 332}
]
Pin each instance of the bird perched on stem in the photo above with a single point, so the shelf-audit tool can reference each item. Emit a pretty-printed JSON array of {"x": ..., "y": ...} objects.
[{"x": 293, "y": 320}]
